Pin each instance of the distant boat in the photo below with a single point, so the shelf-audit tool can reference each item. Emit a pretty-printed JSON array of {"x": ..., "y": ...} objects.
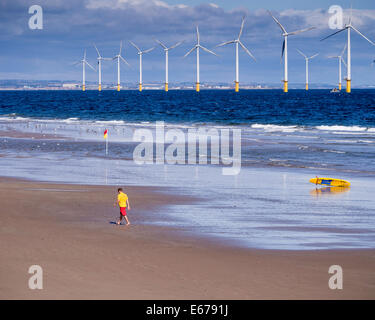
[{"x": 334, "y": 90}]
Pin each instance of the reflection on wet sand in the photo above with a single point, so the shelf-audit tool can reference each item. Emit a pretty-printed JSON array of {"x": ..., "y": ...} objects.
[{"x": 317, "y": 192}]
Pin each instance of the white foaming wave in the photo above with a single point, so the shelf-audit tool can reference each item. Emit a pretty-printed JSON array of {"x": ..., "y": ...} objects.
[
  {"x": 95, "y": 123},
  {"x": 274, "y": 128},
  {"x": 354, "y": 133},
  {"x": 76, "y": 121},
  {"x": 343, "y": 128},
  {"x": 70, "y": 120},
  {"x": 20, "y": 119},
  {"x": 14, "y": 118},
  {"x": 341, "y": 141},
  {"x": 334, "y": 151},
  {"x": 110, "y": 122}
]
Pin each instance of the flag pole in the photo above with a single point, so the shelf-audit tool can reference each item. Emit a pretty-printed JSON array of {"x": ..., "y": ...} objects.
[{"x": 106, "y": 141}]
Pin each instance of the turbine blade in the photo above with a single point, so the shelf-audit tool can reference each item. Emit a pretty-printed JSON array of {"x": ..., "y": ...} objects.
[
  {"x": 124, "y": 61},
  {"x": 148, "y": 50},
  {"x": 313, "y": 56},
  {"x": 209, "y": 51},
  {"x": 225, "y": 43},
  {"x": 242, "y": 24},
  {"x": 119, "y": 53},
  {"x": 135, "y": 46},
  {"x": 246, "y": 50},
  {"x": 333, "y": 34},
  {"x": 161, "y": 44},
  {"x": 356, "y": 30},
  {"x": 90, "y": 66},
  {"x": 282, "y": 51},
  {"x": 343, "y": 50},
  {"x": 302, "y": 54},
  {"x": 343, "y": 61},
  {"x": 198, "y": 37},
  {"x": 97, "y": 51},
  {"x": 176, "y": 45},
  {"x": 277, "y": 21},
  {"x": 84, "y": 55},
  {"x": 190, "y": 51},
  {"x": 300, "y": 31}
]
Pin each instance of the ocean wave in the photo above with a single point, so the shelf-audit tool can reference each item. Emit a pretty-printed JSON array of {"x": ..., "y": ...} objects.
[
  {"x": 274, "y": 127},
  {"x": 344, "y": 128},
  {"x": 23, "y": 119},
  {"x": 334, "y": 151},
  {"x": 16, "y": 117},
  {"x": 334, "y": 129},
  {"x": 110, "y": 122}
]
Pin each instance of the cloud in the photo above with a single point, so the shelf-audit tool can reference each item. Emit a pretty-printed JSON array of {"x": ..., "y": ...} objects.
[
  {"x": 71, "y": 25},
  {"x": 74, "y": 19}
]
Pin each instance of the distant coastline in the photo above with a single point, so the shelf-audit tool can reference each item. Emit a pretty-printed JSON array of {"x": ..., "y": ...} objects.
[{"x": 21, "y": 84}]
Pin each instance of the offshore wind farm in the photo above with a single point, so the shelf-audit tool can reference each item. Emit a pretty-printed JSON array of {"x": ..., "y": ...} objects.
[
  {"x": 237, "y": 42},
  {"x": 237, "y": 140}
]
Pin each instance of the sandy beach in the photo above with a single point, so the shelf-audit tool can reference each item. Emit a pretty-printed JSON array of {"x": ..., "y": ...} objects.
[{"x": 68, "y": 230}]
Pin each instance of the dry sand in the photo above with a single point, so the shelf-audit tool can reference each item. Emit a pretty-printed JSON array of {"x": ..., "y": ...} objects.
[{"x": 69, "y": 231}]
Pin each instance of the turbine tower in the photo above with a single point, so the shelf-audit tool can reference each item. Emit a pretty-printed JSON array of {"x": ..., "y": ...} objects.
[
  {"x": 340, "y": 59},
  {"x": 197, "y": 47},
  {"x": 349, "y": 27},
  {"x": 238, "y": 42},
  {"x": 118, "y": 58},
  {"x": 84, "y": 63},
  {"x": 166, "y": 50},
  {"x": 140, "y": 53},
  {"x": 100, "y": 59},
  {"x": 307, "y": 66},
  {"x": 284, "y": 51}
]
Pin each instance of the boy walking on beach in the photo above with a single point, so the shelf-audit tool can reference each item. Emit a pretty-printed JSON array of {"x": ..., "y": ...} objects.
[{"x": 123, "y": 203}]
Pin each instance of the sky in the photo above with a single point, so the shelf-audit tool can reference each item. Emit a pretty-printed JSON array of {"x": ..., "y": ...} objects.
[{"x": 71, "y": 26}]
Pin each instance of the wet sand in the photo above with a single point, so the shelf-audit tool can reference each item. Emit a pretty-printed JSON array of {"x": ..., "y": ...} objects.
[
  {"x": 69, "y": 230},
  {"x": 28, "y": 135}
]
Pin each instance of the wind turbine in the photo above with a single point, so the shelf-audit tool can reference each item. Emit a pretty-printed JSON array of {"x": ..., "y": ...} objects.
[
  {"x": 340, "y": 59},
  {"x": 197, "y": 47},
  {"x": 238, "y": 42},
  {"x": 140, "y": 53},
  {"x": 307, "y": 66},
  {"x": 100, "y": 59},
  {"x": 349, "y": 27},
  {"x": 166, "y": 50},
  {"x": 284, "y": 51},
  {"x": 119, "y": 57},
  {"x": 84, "y": 63}
]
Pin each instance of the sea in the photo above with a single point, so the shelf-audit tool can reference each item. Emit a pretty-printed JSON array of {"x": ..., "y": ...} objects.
[{"x": 285, "y": 140}]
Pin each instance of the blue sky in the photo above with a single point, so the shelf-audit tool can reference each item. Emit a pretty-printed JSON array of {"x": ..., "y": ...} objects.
[
  {"x": 70, "y": 26},
  {"x": 280, "y": 5}
]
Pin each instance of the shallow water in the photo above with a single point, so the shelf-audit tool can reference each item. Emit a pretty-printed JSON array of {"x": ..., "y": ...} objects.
[{"x": 270, "y": 204}]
